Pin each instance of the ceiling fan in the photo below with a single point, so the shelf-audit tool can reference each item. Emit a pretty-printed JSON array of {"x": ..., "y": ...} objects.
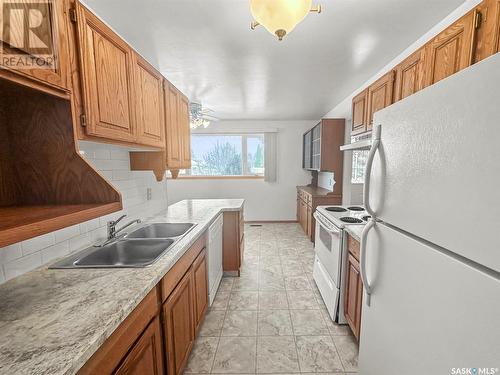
[{"x": 200, "y": 116}]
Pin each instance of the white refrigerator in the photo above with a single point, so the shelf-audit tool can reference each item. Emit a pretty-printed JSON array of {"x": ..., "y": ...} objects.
[{"x": 430, "y": 263}]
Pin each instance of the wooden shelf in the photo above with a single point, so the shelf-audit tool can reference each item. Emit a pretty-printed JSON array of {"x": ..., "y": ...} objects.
[
  {"x": 18, "y": 223},
  {"x": 45, "y": 185}
]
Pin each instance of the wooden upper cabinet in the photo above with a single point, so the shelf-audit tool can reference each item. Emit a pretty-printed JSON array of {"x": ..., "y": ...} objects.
[
  {"x": 146, "y": 356},
  {"x": 178, "y": 319},
  {"x": 51, "y": 36},
  {"x": 452, "y": 50},
  {"x": 488, "y": 35},
  {"x": 359, "y": 112},
  {"x": 173, "y": 129},
  {"x": 409, "y": 75},
  {"x": 150, "y": 117},
  {"x": 185, "y": 132},
  {"x": 380, "y": 95},
  {"x": 496, "y": 8},
  {"x": 107, "y": 80}
]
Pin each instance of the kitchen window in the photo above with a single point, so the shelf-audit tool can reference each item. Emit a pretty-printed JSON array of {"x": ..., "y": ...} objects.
[
  {"x": 359, "y": 159},
  {"x": 226, "y": 155}
]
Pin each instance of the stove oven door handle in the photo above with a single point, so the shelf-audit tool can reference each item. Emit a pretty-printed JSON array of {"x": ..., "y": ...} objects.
[{"x": 328, "y": 227}]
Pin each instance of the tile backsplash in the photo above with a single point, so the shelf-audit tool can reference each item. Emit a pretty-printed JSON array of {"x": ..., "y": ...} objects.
[{"x": 113, "y": 163}]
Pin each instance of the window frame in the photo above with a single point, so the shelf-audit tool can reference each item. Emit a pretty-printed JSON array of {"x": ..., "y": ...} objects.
[
  {"x": 353, "y": 169},
  {"x": 244, "y": 158}
]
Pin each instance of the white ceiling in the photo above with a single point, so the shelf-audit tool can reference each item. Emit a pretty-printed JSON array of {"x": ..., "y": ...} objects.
[{"x": 206, "y": 49}]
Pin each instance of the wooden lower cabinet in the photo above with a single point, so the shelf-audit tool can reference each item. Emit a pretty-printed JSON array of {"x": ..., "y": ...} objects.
[
  {"x": 353, "y": 295},
  {"x": 146, "y": 356},
  {"x": 135, "y": 347},
  {"x": 232, "y": 240},
  {"x": 308, "y": 198},
  {"x": 157, "y": 337},
  {"x": 179, "y": 324},
  {"x": 200, "y": 276}
]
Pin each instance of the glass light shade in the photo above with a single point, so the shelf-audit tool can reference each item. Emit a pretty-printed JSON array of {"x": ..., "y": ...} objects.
[{"x": 279, "y": 17}]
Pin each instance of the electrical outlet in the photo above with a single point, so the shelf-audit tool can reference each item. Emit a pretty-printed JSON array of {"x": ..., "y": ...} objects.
[{"x": 149, "y": 193}]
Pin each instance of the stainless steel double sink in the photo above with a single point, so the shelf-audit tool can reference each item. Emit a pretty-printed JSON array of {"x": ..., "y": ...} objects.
[{"x": 140, "y": 248}]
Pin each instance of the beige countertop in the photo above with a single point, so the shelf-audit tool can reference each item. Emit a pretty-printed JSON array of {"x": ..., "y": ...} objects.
[
  {"x": 315, "y": 191},
  {"x": 53, "y": 321},
  {"x": 355, "y": 231}
]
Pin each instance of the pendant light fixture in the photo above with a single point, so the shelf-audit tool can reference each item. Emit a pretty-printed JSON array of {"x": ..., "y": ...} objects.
[{"x": 280, "y": 17}]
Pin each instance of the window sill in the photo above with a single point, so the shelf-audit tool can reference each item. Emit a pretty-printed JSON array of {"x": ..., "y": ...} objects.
[{"x": 217, "y": 178}]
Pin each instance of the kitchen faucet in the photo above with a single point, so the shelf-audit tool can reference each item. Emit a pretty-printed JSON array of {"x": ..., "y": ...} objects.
[{"x": 112, "y": 231}]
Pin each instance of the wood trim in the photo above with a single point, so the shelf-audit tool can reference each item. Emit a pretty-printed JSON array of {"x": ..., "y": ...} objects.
[
  {"x": 176, "y": 273},
  {"x": 114, "y": 349}
]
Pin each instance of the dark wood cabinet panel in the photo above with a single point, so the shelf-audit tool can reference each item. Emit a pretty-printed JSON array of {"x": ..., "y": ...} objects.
[
  {"x": 146, "y": 356},
  {"x": 231, "y": 241},
  {"x": 451, "y": 51},
  {"x": 409, "y": 75},
  {"x": 178, "y": 321},
  {"x": 359, "y": 113},
  {"x": 353, "y": 295},
  {"x": 200, "y": 276},
  {"x": 380, "y": 95}
]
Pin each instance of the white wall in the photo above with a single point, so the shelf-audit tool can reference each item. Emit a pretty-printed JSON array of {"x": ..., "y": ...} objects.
[
  {"x": 113, "y": 162},
  {"x": 353, "y": 194},
  {"x": 264, "y": 201}
]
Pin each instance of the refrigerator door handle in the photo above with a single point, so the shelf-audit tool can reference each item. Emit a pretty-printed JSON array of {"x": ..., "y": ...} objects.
[
  {"x": 362, "y": 261},
  {"x": 369, "y": 163}
]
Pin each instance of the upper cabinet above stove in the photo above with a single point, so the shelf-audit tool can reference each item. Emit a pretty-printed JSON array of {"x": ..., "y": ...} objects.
[
  {"x": 470, "y": 39},
  {"x": 320, "y": 146}
]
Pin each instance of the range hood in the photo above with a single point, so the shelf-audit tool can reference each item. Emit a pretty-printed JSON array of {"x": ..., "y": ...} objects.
[{"x": 361, "y": 142}]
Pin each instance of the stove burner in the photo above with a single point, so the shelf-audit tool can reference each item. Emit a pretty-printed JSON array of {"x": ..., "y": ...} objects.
[
  {"x": 356, "y": 208},
  {"x": 351, "y": 220},
  {"x": 366, "y": 217},
  {"x": 336, "y": 209}
]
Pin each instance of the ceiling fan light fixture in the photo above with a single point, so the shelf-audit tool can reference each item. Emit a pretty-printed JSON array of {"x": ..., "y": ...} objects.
[{"x": 280, "y": 17}]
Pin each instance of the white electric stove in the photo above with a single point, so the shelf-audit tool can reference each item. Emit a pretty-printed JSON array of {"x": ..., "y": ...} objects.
[{"x": 331, "y": 253}]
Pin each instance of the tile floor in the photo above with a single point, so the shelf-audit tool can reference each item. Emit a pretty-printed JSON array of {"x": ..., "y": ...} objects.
[{"x": 271, "y": 319}]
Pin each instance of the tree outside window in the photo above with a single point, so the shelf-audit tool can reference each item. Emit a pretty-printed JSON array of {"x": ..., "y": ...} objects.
[{"x": 226, "y": 155}]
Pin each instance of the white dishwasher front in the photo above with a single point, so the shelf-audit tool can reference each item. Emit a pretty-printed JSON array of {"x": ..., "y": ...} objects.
[{"x": 214, "y": 253}]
